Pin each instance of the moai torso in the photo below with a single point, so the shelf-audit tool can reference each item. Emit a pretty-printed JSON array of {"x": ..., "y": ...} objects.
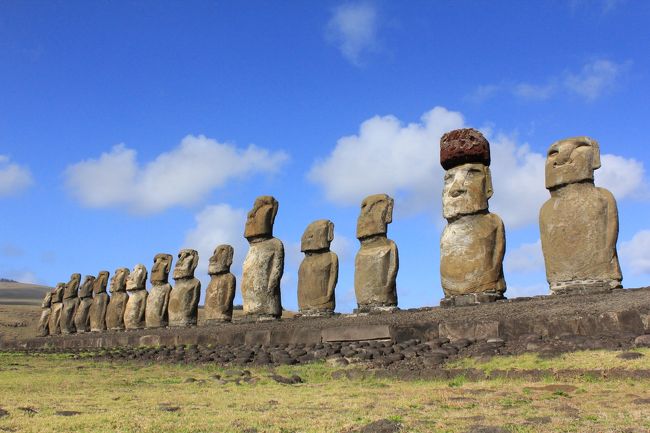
[
  {"x": 100, "y": 303},
  {"x": 119, "y": 299},
  {"x": 70, "y": 304},
  {"x": 579, "y": 223},
  {"x": 264, "y": 263},
  {"x": 82, "y": 315},
  {"x": 44, "y": 321},
  {"x": 377, "y": 262},
  {"x": 184, "y": 296},
  {"x": 54, "y": 325},
  {"x": 158, "y": 300},
  {"x": 319, "y": 270},
  {"x": 221, "y": 290},
  {"x": 135, "y": 307}
]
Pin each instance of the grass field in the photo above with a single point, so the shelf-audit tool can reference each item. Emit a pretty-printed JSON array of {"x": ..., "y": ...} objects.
[{"x": 42, "y": 393}]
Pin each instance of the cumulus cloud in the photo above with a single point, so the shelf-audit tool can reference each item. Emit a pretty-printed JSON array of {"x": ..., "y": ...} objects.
[
  {"x": 635, "y": 253},
  {"x": 182, "y": 176},
  {"x": 353, "y": 29},
  {"x": 624, "y": 177},
  {"x": 526, "y": 257},
  {"x": 595, "y": 79},
  {"x": 14, "y": 178}
]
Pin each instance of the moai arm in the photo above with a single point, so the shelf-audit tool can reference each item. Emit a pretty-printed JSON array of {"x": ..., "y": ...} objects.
[
  {"x": 393, "y": 266},
  {"x": 612, "y": 221},
  {"x": 499, "y": 248},
  {"x": 196, "y": 294},
  {"x": 334, "y": 276},
  {"x": 232, "y": 285},
  {"x": 277, "y": 269},
  {"x": 165, "y": 305}
]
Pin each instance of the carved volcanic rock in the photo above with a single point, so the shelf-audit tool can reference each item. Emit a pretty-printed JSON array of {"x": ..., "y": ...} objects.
[{"x": 462, "y": 146}]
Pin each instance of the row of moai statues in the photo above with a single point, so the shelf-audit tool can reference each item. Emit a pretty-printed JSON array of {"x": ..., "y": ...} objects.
[{"x": 578, "y": 225}]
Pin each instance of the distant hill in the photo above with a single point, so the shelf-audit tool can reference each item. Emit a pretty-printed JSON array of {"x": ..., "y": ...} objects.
[{"x": 14, "y": 293}]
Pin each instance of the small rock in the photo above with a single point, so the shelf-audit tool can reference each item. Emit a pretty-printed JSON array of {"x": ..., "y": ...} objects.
[
  {"x": 337, "y": 362},
  {"x": 3, "y": 413},
  {"x": 286, "y": 380},
  {"x": 29, "y": 410},
  {"x": 642, "y": 341},
  {"x": 189, "y": 380},
  {"x": 67, "y": 412},
  {"x": 630, "y": 355}
]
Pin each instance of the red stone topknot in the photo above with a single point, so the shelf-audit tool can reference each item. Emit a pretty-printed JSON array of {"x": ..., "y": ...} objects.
[{"x": 462, "y": 146}]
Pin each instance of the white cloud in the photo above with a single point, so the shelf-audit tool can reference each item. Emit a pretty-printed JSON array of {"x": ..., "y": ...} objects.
[
  {"x": 635, "y": 254},
  {"x": 527, "y": 257},
  {"x": 595, "y": 79},
  {"x": 182, "y": 176},
  {"x": 14, "y": 178},
  {"x": 534, "y": 92},
  {"x": 622, "y": 176},
  {"x": 353, "y": 28}
]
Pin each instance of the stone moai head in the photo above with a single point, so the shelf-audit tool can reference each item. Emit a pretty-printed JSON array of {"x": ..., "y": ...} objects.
[
  {"x": 376, "y": 214},
  {"x": 465, "y": 156},
  {"x": 187, "y": 261},
  {"x": 72, "y": 288},
  {"x": 47, "y": 300},
  {"x": 86, "y": 288},
  {"x": 162, "y": 265},
  {"x": 259, "y": 222},
  {"x": 317, "y": 236},
  {"x": 99, "y": 286},
  {"x": 118, "y": 282},
  {"x": 221, "y": 260},
  {"x": 57, "y": 293},
  {"x": 137, "y": 278},
  {"x": 571, "y": 160}
]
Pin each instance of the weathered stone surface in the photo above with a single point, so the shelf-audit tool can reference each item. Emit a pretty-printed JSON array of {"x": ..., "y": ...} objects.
[
  {"x": 221, "y": 290},
  {"x": 44, "y": 321},
  {"x": 100, "y": 303},
  {"x": 184, "y": 296},
  {"x": 356, "y": 333},
  {"x": 156, "y": 315},
  {"x": 119, "y": 298},
  {"x": 135, "y": 306},
  {"x": 579, "y": 223},
  {"x": 472, "y": 245},
  {"x": 642, "y": 341},
  {"x": 70, "y": 303},
  {"x": 264, "y": 263},
  {"x": 54, "y": 325},
  {"x": 82, "y": 315},
  {"x": 319, "y": 270},
  {"x": 377, "y": 262}
]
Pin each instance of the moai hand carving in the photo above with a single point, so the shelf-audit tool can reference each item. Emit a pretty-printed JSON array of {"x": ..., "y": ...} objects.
[
  {"x": 135, "y": 306},
  {"x": 82, "y": 315},
  {"x": 319, "y": 270},
  {"x": 158, "y": 300},
  {"x": 54, "y": 325},
  {"x": 70, "y": 304},
  {"x": 579, "y": 223},
  {"x": 264, "y": 263},
  {"x": 46, "y": 311},
  {"x": 100, "y": 303},
  {"x": 119, "y": 298},
  {"x": 473, "y": 243},
  {"x": 184, "y": 297},
  {"x": 377, "y": 262},
  {"x": 221, "y": 290}
]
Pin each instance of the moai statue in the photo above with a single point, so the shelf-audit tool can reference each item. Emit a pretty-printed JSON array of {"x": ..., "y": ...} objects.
[
  {"x": 377, "y": 262},
  {"x": 135, "y": 306},
  {"x": 473, "y": 243},
  {"x": 184, "y": 297},
  {"x": 579, "y": 223},
  {"x": 54, "y": 326},
  {"x": 82, "y": 315},
  {"x": 156, "y": 311},
  {"x": 70, "y": 304},
  {"x": 46, "y": 311},
  {"x": 264, "y": 263},
  {"x": 119, "y": 298},
  {"x": 319, "y": 270},
  {"x": 100, "y": 303},
  {"x": 221, "y": 290}
]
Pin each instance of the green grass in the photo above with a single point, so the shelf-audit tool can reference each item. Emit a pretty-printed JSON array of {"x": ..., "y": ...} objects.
[{"x": 133, "y": 397}]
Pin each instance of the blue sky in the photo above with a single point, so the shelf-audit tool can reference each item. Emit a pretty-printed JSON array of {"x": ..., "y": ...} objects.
[{"x": 132, "y": 128}]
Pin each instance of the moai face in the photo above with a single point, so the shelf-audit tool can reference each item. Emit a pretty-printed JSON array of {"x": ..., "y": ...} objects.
[
  {"x": 87, "y": 286},
  {"x": 162, "y": 264},
  {"x": 72, "y": 288},
  {"x": 186, "y": 264},
  {"x": 259, "y": 222},
  {"x": 571, "y": 160},
  {"x": 57, "y": 294},
  {"x": 317, "y": 236},
  {"x": 99, "y": 286},
  {"x": 376, "y": 214},
  {"x": 467, "y": 190},
  {"x": 221, "y": 260},
  {"x": 118, "y": 282},
  {"x": 137, "y": 279}
]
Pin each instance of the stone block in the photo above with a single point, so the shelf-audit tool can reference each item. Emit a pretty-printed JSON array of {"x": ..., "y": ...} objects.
[
  {"x": 477, "y": 330},
  {"x": 356, "y": 333},
  {"x": 257, "y": 337}
]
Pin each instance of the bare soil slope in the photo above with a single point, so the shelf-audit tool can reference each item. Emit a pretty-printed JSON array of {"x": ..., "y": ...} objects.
[{"x": 13, "y": 293}]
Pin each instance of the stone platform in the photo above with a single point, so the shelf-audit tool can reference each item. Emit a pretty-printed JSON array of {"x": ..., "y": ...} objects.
[{"x": 621, "y": 312}]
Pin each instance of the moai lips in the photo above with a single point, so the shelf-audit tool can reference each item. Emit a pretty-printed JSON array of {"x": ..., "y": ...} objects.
[
  {"x": 579, "y": 223},
  {"x": 135, "y": 306},
  {"x": 221, "y": 290},
  {"x": 318, "y": 272},
  {"x": 156, "y": 315},
  {"x": 184, "y": 296},
  {"x": 82, "y": 315},
  {"x": 119, "y": 298},
  {"x": 100, "y": 303}
]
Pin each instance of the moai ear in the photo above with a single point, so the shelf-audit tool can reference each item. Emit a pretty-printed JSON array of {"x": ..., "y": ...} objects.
[
  {"x": 330, "y": 231},
  {"x": 195, "y": 259},
  {"x": 275, "y": 210},
  {"x": 168, "y": 263},
  {"x": 231, "y": 253},
  {"x": 389, "y": 209},
  {"x": 594, "y": 144},
  {"x": 488, "y": 183}
]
